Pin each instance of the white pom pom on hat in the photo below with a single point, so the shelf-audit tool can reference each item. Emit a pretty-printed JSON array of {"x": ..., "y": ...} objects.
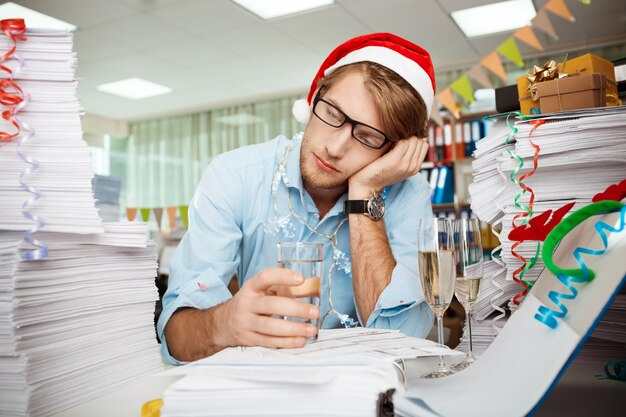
[{"x": 408, "y": 60}]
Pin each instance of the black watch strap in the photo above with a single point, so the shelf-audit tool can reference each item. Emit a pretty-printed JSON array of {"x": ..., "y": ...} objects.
[{"x": 355, "y": 206}]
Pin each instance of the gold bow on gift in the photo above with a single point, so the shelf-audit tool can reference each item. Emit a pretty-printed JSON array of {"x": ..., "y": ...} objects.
[{"x": 550, "y": 71}]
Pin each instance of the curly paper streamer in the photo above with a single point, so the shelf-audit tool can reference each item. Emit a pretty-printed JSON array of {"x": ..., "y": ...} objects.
[
  {"x": 539, "y": 227},
  {"x": 569, "y": 277},
  {"x": 512, "y": 154},
  {"x": 615, "y": 192},
  {"x": 614, "y": 370},
  {"x": 16, "y": 100}
]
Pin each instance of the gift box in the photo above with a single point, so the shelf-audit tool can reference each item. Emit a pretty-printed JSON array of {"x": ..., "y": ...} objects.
[
  {"x": 593, "y": 64},
  {"x": 507, "y": 99},
  {"x": 576, "y": 92},
  {"x": 526, "y": 104}
]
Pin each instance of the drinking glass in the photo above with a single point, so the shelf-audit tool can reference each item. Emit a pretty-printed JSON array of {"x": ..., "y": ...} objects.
[
  {"x": 468, "y": 252},
  {"x": 436, "y": 268},
  {"x": 305, "y": 258}
]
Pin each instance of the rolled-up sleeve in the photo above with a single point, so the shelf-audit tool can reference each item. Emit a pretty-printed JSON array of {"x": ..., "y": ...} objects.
[
  {"x": 401, "y": 304},
  {"x": 208, "y": 255}
]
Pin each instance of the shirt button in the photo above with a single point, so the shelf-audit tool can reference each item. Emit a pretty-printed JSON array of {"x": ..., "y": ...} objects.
[{"x": 316, "y": 215}]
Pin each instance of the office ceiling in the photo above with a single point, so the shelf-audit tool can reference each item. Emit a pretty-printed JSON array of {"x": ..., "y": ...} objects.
[{"x": 213, "y": 53}]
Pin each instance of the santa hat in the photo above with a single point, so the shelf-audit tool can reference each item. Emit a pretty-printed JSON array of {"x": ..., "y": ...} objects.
[{"x": 405, "y": 58}]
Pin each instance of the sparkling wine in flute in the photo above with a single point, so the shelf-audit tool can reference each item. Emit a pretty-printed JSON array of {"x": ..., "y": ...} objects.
[
  {"x": 435, "y": 270},
  {"x": 467, "y": 290}
]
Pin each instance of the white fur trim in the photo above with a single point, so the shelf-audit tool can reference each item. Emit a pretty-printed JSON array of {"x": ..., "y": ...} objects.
[
  {"x": 301, "y": 110},
  {"x": 408, "y": 69}
]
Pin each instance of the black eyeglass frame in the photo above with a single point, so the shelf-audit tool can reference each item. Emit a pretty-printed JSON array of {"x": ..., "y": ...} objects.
[{"x": 348, "y": 119}]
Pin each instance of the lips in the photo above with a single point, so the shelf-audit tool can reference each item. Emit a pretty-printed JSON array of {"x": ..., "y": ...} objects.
[{"x": 324, "y": 165}]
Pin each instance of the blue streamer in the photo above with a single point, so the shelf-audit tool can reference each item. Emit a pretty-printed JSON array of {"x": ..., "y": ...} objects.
[
  {"x": 27, "y": 133},
  {"x": 548, "y": 316}
]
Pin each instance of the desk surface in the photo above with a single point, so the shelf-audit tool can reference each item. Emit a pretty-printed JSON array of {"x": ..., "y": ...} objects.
[{"x": 578, "y": 393}]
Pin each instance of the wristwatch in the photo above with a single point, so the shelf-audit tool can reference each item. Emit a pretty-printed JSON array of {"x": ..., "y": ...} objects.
[{"x": 374, "y": 208}]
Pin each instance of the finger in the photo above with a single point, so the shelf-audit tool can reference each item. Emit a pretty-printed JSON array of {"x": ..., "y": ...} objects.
[
  {"x": 273, "y": 326},
  {"x": 273, "y": 276},
  {"x": 282, "y": 306},
  {"x": 276, "y": 342}
]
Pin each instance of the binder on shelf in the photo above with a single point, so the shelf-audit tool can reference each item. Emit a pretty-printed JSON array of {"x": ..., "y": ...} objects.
[
  {"x": 459, "y": 146},
  {"x": 432, "y": 180},
  {"x": 444, "y": 191},
  {"x": 448, "y": 154},
  {"x": 467, "y": 138},
  {"x": 438, "y": 144},
  {"x": 478, "y": 132}
]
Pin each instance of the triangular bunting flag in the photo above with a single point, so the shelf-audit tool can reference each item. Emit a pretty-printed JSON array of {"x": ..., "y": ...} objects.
[
  {"x": 171, "y": 217},
  {"x": 543, "y": 23},
  {"x": 131, "y": 213},
  {"x": 184, "y": 216},
  {"x": 463, "y": 87},
  {"x": 587, "y": 2},
  {"x": 145, "y": 214},
  {"x": 526, "y": 35},
  {"x": 158, "y": 214},
  {"x": 435, "y": 115},
  {"x": 559, "y": 8},
  {"x": 478, "y": 74},
  {"x": 509, "y": 49},
  {"x": 494, "y": 64},
  {"x": 447, "y": 99}
]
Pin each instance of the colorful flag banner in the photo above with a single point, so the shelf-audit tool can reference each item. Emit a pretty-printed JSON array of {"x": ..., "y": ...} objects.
[
  {"x": 526, "y": 35},
  {"x": 543, "y": 23},
  {"x": 463, "y": 87},
  {"x": 171, "y": 217},
  {"x": 447, "y": 99},
  {"x": 145, "y": 214},
  {"x": 494, "y": 64},
  {"x": 559, "y": 8},
  {"x": 509, "y": 49},
  {"x": 131, "y": 213},
  {"x": 184, "y": 216},
  {"x": 158, "y": 214},
  {"x": 478, "y": 74}
]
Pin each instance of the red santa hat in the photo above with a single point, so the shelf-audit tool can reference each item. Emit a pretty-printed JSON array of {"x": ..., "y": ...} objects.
[{"x": 405, "y": 58}]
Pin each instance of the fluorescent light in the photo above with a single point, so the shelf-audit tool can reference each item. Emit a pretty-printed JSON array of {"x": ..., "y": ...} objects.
[
  {"x": 268, "y": 9},
  {"x": 495, "y": 18},
  {"x": 33, "y": 19},
  {"x": 134, "y": 88}
]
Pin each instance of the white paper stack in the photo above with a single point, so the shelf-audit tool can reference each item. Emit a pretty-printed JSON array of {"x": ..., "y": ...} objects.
[
  {"x": 343, "y": 374},
  {"x": 581, "y": 153},
  {"x": 53, "y": 113},
  {"x": 77, "y": 324}
]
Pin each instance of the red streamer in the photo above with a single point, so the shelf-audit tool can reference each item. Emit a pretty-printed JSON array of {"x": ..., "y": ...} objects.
[
  {"x": 10, "y": 93},
  {"x": 525, "y": 284}
]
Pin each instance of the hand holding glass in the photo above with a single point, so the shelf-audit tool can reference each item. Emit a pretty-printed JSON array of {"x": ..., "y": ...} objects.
[
  {"x": 305, "y": 258},
  {"x": 469, "y": 273},
  {"x": 436, "y": 268}
]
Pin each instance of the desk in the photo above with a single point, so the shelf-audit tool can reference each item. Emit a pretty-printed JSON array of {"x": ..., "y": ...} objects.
[{"x": 577, "y": 394}]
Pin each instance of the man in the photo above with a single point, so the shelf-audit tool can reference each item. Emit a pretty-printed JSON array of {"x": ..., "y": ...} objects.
[{"x": 349, "y": 182}]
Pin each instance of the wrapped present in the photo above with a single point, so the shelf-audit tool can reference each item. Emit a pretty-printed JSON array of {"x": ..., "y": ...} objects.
[
  {"x": 507, "y": 99},
  {"x": 570, "y": 93},
  {"x": 527, "y": 86},
  {"x": 526, "y": 103},
  {"x": 592, "y": 64}
]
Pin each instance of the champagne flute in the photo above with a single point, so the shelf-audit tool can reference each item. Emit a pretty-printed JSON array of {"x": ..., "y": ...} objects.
[
  {"x": 469, "y": 272},
  {"x": 436, "y": 268}
]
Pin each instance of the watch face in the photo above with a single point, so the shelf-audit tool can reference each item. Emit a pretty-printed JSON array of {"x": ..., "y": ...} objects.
[{"x": 376, "y": 207}]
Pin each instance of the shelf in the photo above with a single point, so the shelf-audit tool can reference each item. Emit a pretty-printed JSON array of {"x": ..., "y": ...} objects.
[{"x": 451, "y": 205}]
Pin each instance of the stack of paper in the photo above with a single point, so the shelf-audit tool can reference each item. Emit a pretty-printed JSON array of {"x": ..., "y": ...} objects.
[
  {"x": 53, "y": 114},
  {"x": 106, "y": 190},
  {"x": 580, "y": 154},
  {"x": 343, "y": 374},
  {"x": 77, "y": 324},
  {"x": 79, "y": 321}
]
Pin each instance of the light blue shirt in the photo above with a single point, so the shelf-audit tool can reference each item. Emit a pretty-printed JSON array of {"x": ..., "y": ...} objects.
[{"x": 232, "y": 229}]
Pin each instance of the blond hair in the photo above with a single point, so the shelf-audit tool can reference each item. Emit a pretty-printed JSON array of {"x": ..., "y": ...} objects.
[{"x": 402, "y": 110}]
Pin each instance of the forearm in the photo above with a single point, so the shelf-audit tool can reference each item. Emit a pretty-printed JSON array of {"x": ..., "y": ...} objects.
[
  {"x": 193, "y": 334},
  {"x": 372, "y": 262}
]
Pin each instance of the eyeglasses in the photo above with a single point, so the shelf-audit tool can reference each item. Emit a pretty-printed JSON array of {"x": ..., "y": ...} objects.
[{"x": 332, "y": 116}]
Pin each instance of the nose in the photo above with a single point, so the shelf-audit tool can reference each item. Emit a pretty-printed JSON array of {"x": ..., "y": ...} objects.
[{"x": 340, "y": 141}]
